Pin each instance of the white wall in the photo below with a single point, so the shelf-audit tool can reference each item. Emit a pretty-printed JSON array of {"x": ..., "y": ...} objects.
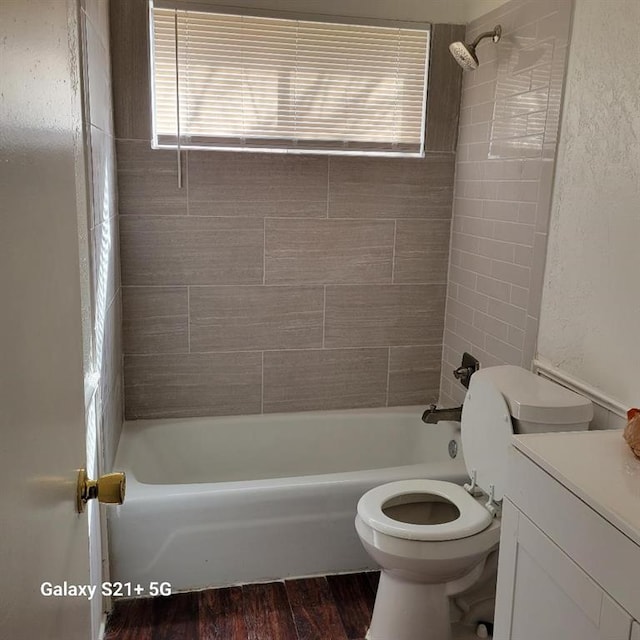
[
  {"x": 43, "y": 285},
  {"x": 436, "y": 11},
  {"x": 475, "y": 8},
  {"x": 590, "y": 322}
]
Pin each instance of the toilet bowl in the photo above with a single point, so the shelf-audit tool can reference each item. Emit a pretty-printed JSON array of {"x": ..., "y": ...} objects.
[
  {"x": 427, "y": 553},
  {"x": 432, "y": 538}
]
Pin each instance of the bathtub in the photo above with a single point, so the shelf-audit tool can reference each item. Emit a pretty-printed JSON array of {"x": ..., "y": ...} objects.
[{"x": 222, "y": 501}]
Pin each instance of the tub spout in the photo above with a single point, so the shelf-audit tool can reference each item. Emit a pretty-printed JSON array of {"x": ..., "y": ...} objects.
[{"x": 433, "y": 415}]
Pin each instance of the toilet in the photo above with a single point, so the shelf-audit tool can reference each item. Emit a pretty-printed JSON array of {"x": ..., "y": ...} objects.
[{"x": 432, "y": 538}]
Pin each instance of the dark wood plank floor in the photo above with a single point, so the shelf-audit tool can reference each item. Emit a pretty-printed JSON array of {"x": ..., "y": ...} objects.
[{"x": 331, "y": 608}]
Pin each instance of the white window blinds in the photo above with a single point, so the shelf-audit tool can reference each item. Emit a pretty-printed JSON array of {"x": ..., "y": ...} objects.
[{"x": 280, "y": 84}]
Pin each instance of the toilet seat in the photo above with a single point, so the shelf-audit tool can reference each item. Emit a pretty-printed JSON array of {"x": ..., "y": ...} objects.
[{"x": 473, "y": 516}]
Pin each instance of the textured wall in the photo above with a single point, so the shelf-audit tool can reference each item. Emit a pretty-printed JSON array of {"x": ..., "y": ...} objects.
[
  {"x": 504, "y": 171},
  {"x": 590, "y": 318},
  {"x": 273, "y": 282},
  {"x": 106, "y": 358}
]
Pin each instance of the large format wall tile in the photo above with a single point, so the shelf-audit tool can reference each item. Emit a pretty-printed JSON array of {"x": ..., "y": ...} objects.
[
  {"x": 255, "y": 318},
  {"x": 148, "y": 180},
  {"x": 414, "y": 375},
  {"x": 391, "y": 187},
  {"x": 257, "y": 184},
  {"x": 328, "y": 251},
  {"x": 192, "y": 385},
  {"x": 130, "y": 68},
  {"x": 324, "y": 379},
  {"x": 155, "y": 320},
  {"x": 320, "y": 266},
  {"x": 190, "y": 250},
  {"x": 422, "y": 251},
  {"x": 445, "y": 85},
  {"x": 365, "y": 316}
]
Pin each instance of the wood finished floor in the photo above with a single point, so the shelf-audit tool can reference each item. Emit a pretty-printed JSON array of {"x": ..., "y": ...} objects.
[{"x": 331, "y": 608}]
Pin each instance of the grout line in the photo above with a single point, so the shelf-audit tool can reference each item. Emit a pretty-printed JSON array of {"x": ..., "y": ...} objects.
[
  {"x": 324, "y": 313},
  {"x": 496, "y": 200},
  {"x": 262, "y": 386},
  {"x": 186, "y": 166},
  {"x": 188, "y": 319},
  {"x": 264, "y": 251},
  {"x": 302, "y": 285},
  {"x": 328, "y": 183},
  {"x": 490, "y": 277},
  {"x": 388, "y": 373},
  {"x": 159, "y": 216},
  {"x": 393, "y": 252},
  {"x": 434, "y": 343},
  {"x": 507, "y": 242},
  {"x": 511, "y": 263}
]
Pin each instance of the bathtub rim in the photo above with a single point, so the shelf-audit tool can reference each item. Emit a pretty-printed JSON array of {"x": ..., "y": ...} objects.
[{"x": 452, "y": 467}]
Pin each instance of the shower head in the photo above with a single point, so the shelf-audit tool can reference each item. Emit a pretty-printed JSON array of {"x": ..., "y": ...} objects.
[{"x": 465, "y": 54}]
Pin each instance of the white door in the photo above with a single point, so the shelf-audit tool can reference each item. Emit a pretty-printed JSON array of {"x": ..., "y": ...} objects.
[
  {"x": 43, "y": 291},
  {"x": 542, "y": 593},
  {"x": 635, "y": 632}
]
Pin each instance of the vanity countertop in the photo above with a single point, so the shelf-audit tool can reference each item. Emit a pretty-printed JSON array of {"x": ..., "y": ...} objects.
[{"x": 597, "y": 466}]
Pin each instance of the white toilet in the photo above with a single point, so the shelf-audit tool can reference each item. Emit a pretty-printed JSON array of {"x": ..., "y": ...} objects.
[{"x": 432, "y": 538}]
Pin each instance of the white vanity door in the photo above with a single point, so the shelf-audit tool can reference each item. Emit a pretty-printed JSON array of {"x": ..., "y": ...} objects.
[{"x": 542, "y": 593}]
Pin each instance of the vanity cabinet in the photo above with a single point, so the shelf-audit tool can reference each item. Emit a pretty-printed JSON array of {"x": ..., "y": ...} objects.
[
  {"x": 566, "y": 572},
  {"x": 542, "y": 593}
]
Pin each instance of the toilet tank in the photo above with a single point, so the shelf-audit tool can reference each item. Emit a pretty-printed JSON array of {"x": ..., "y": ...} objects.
[{"x": 536, "y": 404}]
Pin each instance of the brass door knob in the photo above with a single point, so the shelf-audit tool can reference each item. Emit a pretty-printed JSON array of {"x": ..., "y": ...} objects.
[{"x": 109, "y": 489}]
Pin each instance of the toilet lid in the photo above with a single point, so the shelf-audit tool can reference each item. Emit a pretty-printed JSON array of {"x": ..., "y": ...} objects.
[{"x": 486, "y": 435}]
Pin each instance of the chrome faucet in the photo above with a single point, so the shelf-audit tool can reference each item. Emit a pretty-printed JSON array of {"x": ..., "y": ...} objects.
[
  {"x": 433, "y": 415},
  {"x": 463, "y": 373}
]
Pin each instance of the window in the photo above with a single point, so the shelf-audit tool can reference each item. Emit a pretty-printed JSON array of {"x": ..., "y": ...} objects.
[{"x": 259, "y": 82}]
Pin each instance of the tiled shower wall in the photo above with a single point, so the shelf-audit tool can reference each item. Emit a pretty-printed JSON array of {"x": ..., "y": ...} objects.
[
  {"x": 279, "y": 283},
  {"x": 509, "y": 122},
  {"x": 103, "y": 228}
]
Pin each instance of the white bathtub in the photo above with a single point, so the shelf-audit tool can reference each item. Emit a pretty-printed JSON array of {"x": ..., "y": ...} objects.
[{"x": 221, "y": 501}]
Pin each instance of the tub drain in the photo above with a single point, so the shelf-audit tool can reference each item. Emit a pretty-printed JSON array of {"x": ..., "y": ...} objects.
[{"x": 453, "y": 448}]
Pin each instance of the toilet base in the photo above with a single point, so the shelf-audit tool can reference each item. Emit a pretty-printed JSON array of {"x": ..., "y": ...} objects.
[{"x": 409, "y": 611}]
